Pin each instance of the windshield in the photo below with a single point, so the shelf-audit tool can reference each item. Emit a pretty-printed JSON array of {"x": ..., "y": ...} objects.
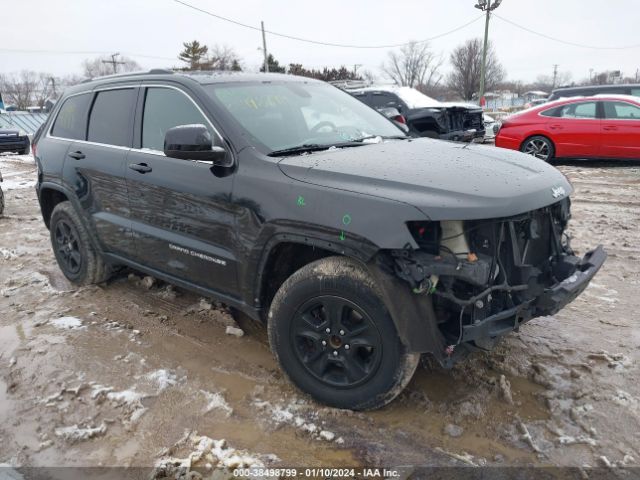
[{"x": 279, "y": 116}]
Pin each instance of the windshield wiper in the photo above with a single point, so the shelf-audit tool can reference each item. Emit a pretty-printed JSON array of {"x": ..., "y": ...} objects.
[
  {"x": 316, "y": 147},
  {"x": 383, "y": 137},
  {"x": 305, "y": 147}
]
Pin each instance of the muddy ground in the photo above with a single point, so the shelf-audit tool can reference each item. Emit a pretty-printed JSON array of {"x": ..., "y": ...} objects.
[{"x": 136, "y": 372}]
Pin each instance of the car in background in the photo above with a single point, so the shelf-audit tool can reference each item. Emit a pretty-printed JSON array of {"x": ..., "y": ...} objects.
[
  {"x": 535, "y": 102},
  {"x": 425, "y": 116},
  {"x": 567, "y": 92},
  {"x": 12, "y": 140},
  {"x": 603, "y": 126},
  {"x": 491, "y": 127}
]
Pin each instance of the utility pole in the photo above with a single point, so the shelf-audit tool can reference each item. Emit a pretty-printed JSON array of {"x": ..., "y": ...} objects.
[
  {"x": 486, "y": 6},
  {"x": 53, "y": 87},
  {"x": 555, "y": 74},
  {"x": 114, "y": 63},
  {"x": 264, "y": 49}
]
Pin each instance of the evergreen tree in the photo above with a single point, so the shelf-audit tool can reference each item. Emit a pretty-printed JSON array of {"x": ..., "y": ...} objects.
[{"x": 193, "y": 54}]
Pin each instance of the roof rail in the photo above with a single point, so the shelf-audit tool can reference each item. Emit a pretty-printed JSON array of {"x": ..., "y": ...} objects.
[
  {"x": 350, "y": 84},
  {"x": 153, "y": 71}
]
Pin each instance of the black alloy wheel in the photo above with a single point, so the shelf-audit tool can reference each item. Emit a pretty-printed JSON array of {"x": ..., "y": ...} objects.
[
  {"x": 336, "y": 341},
  {"x": 68, "y": 246}
]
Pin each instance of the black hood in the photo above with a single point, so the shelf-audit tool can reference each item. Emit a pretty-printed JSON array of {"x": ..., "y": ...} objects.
[{"x": 445, "y": 180}]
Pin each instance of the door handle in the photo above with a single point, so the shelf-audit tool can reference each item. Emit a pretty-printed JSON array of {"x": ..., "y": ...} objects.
[
  {"x": 609, "y": 128},
  {"x": 555, "y": 127},
  {"x": 77, "y": 155},
  {"x": 140, "y": 167}
]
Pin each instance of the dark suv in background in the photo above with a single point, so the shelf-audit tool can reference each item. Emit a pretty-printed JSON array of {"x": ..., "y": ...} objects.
[
  {"x": 14, "y": 140},
  {"x": 589, "y": 91},
  {"x": 425, "y": 116},
  {"x": 290, "y": 200}
]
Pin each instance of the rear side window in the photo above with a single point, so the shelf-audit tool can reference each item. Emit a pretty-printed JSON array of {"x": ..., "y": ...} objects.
[
  {"x": 110, "y": 118},
  {"x": 383, "y": 100},
  {"x": 552, "y": 112},
  {"x": 71, "y": 121},
  {"x": 635, "y": 92},
  {"x": 621, "y": 111},
  {"x": 578, "y": 110},
  {"x": 165, "y": 108}
]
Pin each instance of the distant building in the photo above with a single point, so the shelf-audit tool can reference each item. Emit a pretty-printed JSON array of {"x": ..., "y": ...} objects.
[{"x": 534, "y": 95}]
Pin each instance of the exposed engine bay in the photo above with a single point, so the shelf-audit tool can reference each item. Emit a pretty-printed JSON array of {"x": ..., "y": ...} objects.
[{"x": 487, "y": 277}]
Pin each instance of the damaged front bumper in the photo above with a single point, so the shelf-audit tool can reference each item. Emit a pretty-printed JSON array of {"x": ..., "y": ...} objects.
[
  {"x": 483, "y": 279},
  {"x": 550, "y": 302}
]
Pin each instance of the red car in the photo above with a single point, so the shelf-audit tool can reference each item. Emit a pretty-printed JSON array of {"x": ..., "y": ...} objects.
[{"x": 604, "y": 126}]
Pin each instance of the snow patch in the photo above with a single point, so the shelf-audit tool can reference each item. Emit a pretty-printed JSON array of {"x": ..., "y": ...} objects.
[
  {"x": 67, "y": 323},
  {"x": 216, "y": 401},
  {"x": 163, "y": 379},
  {"x": 287, "y": 415},
  {"x": 203, "y": 451},
  {"x": 11, "y": 184},
  {"x": 74, "y": 433}
]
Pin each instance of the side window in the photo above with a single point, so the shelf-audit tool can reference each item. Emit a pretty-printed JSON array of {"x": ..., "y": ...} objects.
[
  {"x": 71, "y": 121},
  {"x": 621, "y": 111},
  {"x": 579, "y": 110},
  {"x": 635, "y": 92},
  {"x": 165, "y": 108},
  {"x": 552, "y": 112},
  {"x": 110, "y": 118},
  {"x": 383, "y": 100}
]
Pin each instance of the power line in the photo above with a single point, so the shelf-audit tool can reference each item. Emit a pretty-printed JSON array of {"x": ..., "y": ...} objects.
[
  {"x": 80, "y": 52},
  {"x": 318, "y": 42},
  {"x": 559, "y": 40}
]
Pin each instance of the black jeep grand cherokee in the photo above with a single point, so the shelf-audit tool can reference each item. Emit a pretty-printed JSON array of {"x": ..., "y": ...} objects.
[{"x": 292, "y": 201}]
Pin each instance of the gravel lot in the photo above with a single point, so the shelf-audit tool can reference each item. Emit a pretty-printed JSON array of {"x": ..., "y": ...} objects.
[{"x": 138, "y": 373}]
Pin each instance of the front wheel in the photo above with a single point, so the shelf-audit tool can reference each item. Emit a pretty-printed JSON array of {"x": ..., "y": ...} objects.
[
  {"x": 538, "y": 146},
  {"x": 335, "y": 339}
]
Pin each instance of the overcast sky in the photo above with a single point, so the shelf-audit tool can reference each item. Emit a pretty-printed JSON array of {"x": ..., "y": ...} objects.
[{"x": 158, "y": 28}]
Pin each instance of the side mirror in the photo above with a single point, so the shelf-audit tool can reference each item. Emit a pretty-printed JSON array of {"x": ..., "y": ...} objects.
[{"x": 193, "y": 142}]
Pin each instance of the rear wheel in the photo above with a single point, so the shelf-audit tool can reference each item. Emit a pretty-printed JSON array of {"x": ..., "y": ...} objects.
[
  {"x": 74, "y": 252},
  {"x": 538, "y": 146},
  {"x": 26, "y": 150},
  {"x": 335, "y": 339}
]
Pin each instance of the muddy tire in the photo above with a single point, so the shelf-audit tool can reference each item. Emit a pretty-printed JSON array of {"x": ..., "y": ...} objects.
[
  {"x": 335, "y": 339},
  {"x": 72, "y": 247}
]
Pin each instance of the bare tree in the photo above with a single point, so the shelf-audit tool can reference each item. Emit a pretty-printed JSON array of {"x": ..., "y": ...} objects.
[
  {"x": 223, "y": 57},
  {"x": 97, "y": 67},
  {"x": 414, "y": 65},
  {"x": 19, "y": 89},
  {"x": 545, "y": 82},
  {"x": 466, "y": 61}
]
